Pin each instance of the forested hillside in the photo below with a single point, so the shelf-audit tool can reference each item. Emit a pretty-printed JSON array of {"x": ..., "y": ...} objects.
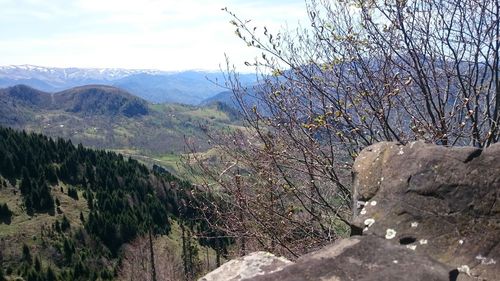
[
  {"x": 111, "y": 118},
  {"x": 66, "y": 211}
]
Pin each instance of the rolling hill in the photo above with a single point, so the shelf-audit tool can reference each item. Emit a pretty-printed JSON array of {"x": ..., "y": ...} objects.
[
  {"x": 99, "y": 100},
  {"x": 108, "y": 117}
]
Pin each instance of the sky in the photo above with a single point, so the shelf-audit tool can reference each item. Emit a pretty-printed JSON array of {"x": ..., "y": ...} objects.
[{"x": 136, "y": 34}]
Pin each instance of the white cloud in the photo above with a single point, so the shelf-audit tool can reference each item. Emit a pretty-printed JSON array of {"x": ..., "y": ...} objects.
[{"x": 163, "y": 34}]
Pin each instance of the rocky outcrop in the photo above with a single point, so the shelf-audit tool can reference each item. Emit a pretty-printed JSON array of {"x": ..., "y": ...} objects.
[
  {"x": 247, "y": 267},
  {"x": 424, "y": 212},
  {"x": 363, "y": 258},
  {"x": 439, "y": 201}
]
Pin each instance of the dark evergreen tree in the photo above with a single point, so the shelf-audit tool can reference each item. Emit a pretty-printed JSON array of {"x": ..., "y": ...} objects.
[
  {"x": 50, "y": 174},
  {"x": 65, "y": 224},
  {"x": 37, "y": 264},
  {"x": 26, "y": 255},
  {"x": 7, "y": 168},
  {"x": 25, "y": 185},
  {"x": 32, "y": 275},
  {"x": 73, "y": 193},
  {"x": 5, "y": 213},
  {"x": 57, "y": 226},
  {"x": 68, "y": 250},
  {"x": 2, "y": 274},
  {"x": 50, "y": 275}
]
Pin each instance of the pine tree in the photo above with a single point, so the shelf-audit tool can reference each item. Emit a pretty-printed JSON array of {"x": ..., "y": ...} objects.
[
  {"x": 65, "y": 224},
  {"x": 50, "y": 275},
  {"x": 2, "y": 275},
  {"x": 26, "y": 185},
  {"x": 38, "y": 265},
  {"x": 68, "y": 250},
  {"x": 26, "y": 256},
  {"x": 50, "y": 174},
  {"x": 32, "y": 275},
  {"x": 5, "y": 213},
  {"x": 73, "y": 193},
  {"x": 7, "y": 168}
]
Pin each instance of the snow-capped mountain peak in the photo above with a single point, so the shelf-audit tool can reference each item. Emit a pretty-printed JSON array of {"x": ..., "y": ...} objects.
[{"x": 27, "y": 71}]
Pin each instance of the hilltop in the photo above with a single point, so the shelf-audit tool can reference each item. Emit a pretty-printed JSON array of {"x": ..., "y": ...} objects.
[
  {"x": 85, "y": 100},
  {"x": 103, "y": 116},
  {"x": 99, "y": 100}
]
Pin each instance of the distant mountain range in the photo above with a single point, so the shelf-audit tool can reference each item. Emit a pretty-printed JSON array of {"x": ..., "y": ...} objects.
[
  {"x": 186, "y": 87},
  {"x": 108, "y": 117}
]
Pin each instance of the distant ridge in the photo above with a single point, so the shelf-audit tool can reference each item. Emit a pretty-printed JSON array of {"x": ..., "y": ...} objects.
[
  {"x": 108, "y": 117},
  {"x": 156, "y": 86},
  {"x": 27, "y": 71},
  {"x": 100, "y": 99},
  {"x": 85, "y": 100},
  {"x": 26, "y": 95}
]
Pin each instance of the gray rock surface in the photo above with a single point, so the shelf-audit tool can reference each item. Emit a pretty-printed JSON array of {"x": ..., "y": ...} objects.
[
  {"x": 363, "y": 258},
  {"x": 247, "y": 267},
  {"x": 440, "y": 201}
]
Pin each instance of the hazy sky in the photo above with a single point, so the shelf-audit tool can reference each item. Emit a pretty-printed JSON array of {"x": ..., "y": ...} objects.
[{"x": 150, "y": 34}]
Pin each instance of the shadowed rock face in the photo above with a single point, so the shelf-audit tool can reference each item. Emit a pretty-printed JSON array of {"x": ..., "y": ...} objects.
[
  {"x": 359, "y": 258},
  {"x": 425, "y": 212},
  {"x": 363, "y": 258},
  {"x": 443, "y": 202}
]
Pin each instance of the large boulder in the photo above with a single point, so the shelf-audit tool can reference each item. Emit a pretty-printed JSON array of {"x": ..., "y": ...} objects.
[
  {"x": 439, "y": 201},
  {"x": 360, "y": 258},
  {"x": 247, "y": 267},
  {"x": 363, "y": 258}
]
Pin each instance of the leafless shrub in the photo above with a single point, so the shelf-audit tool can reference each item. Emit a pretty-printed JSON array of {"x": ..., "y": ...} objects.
[
  {"x": 136, "y": 262},
  {"x": 360, "y": 73}
]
